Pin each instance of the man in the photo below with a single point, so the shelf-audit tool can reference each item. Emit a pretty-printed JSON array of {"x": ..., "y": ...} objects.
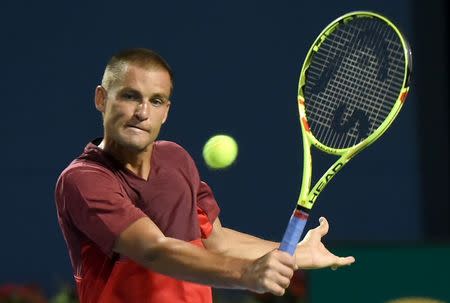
[{"x": 139, "y": 223}]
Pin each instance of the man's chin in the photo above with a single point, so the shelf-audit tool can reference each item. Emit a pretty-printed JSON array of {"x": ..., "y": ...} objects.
[{"x": 136, "y": 145}]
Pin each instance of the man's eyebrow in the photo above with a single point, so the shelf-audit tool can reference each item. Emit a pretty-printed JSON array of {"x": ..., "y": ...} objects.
[{"x": 129, "y": 89}]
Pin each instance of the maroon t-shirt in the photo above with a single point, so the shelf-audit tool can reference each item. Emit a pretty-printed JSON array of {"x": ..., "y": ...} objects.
[{"x": 97, "y": 199}]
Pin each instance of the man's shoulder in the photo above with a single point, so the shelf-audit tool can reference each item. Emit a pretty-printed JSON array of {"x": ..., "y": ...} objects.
[
  {"x": 85, "y": 168},
  {"x": 171, "y": 148},
  {"x": 91, "y": 161},
  {"x": 169, "y": 145},
  {"x": 172, "y": 154}
]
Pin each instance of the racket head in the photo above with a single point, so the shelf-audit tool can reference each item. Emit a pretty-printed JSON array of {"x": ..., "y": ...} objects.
[
  {"x": 352, "y": 85},
  {"x": 353, "y": 82}
]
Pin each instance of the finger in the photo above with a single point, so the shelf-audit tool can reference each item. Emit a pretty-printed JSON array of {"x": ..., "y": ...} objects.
[
  {"x": 342, "y": 261},
  {"x": 283, "y": 281},
  {"x": 283, "y": 264},
  {"x": 285, "y": 258},
  {"x": 324, "y": 226},
  {"x": 295, "y": 261},
  {"x": 285, "y": 271},
  {"x": 274, "y": 288}
]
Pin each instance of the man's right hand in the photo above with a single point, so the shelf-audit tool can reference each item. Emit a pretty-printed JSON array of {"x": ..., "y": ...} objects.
[{"x": 270, "y": 273}]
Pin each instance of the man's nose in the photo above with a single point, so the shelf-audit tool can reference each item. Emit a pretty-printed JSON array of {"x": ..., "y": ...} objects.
[{"x": 142, "y": 111}]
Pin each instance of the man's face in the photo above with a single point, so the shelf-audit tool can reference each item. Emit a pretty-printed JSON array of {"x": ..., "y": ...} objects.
[{"x": 135, "y": 107}]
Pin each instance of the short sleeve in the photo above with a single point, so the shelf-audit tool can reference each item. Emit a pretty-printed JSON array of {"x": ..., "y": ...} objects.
[
  {"x": 94, "y": 202},
  {"x": 207, "y": 202}
]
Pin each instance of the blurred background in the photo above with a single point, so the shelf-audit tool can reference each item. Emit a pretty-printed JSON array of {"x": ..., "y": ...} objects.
[{"x": 236, "y": 67}]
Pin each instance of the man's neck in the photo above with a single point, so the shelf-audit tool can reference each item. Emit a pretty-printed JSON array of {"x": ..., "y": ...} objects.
[{"x": 136, "y": 162}]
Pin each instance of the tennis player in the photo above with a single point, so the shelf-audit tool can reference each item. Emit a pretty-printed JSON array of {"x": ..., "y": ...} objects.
[{"x": 139, "y": 223}]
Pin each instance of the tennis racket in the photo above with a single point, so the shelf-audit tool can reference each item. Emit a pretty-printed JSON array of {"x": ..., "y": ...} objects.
[{"x": 353, "y": 83}]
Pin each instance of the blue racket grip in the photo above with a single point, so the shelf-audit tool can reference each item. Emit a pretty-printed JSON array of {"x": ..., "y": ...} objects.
[{"x": 294, "y": 231}]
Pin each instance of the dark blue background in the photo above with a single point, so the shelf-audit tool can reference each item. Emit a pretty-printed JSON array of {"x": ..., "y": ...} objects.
[{"x": 236, "y": 67}]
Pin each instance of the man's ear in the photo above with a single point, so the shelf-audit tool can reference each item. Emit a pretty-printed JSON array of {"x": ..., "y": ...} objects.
[
  {"x": 167, "y": 112},
  {"x": 100, "y": 98}
]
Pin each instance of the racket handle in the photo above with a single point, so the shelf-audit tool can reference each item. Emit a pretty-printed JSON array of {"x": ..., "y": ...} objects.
[{"x": 294, "y": 231}]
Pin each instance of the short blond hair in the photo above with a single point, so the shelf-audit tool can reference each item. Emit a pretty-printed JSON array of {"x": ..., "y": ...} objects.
[{"x": 141, "y": 57}]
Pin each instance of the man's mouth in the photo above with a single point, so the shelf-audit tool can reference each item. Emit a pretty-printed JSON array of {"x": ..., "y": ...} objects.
[{"x": 139, "y": 128}]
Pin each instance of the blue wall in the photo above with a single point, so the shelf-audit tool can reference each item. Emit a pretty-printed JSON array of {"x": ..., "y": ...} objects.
[{"x": 236, "y": 65}]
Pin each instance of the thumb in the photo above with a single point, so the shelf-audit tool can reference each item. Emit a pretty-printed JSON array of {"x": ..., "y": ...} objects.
[{"x": 323, "y": 227}]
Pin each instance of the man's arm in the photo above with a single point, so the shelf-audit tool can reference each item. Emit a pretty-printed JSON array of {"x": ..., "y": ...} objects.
[
  {"x": 310, "y": 253},
  {"x": 143, "y": 242}
]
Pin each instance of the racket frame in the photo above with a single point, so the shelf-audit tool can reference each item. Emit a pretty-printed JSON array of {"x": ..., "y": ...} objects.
[{"x": 307, "y": 195}]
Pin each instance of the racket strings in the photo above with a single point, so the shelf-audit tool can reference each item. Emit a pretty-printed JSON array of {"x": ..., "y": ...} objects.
[{"x": 353, "y": 81}]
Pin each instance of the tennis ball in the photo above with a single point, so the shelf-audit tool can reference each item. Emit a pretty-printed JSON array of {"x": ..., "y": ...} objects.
[{"x": 220, "y": 151}]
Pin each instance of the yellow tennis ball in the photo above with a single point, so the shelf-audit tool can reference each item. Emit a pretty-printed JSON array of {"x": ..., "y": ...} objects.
[{"x": 220, "y": 151}]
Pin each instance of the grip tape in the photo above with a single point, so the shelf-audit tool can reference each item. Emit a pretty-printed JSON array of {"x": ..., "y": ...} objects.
[{"x": 294, "y": 231}]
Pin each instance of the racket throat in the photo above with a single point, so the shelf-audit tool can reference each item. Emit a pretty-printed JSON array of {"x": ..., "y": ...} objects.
[{"x": 323, "y": 181}]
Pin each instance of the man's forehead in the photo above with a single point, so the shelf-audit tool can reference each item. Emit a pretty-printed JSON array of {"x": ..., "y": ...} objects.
[
  {"x": 135, "y": 71},
  {"x": 138, "y": 77}
]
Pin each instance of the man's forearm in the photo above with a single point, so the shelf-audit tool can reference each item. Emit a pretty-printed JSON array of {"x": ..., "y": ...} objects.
[
  {"x": 144, "y": 243},
  {"x": 185, "y": 261},
  {"x": 242, "y": 245}
]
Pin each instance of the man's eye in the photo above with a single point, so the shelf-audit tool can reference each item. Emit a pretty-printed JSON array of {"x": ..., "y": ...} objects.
[
  {"x": 157, "y": 102},
  {"x": 129, "y": 96}
]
